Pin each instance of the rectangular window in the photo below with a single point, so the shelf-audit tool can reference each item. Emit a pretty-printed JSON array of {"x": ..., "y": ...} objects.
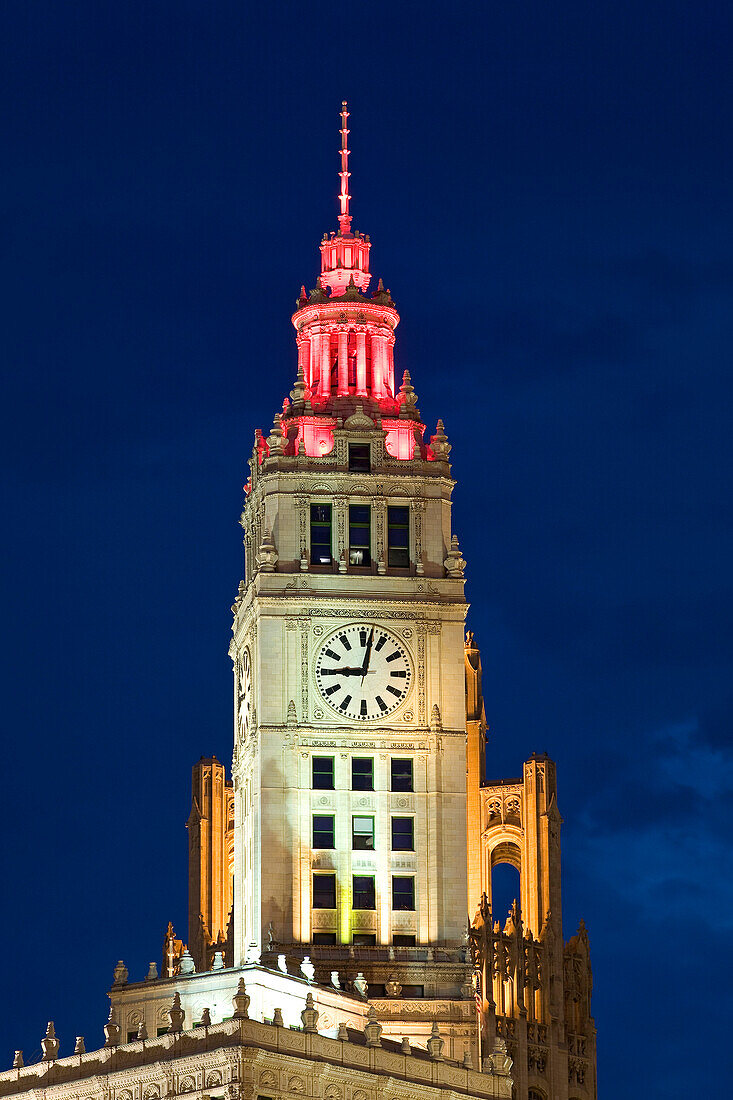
[
  {"x": 401, "y": 774},
  {"x": 403, "y": 892},
  {"x": 362, "y": 773},
  {"x": 413, "y": 990},
  {"x": 324, "y": 891},
  {"x": 322, "y": 773},
  {"x": 403, "y": 838},
  {"x": 364, "y": 939},
  {"x": 359, "y": 462},
  {"x": 320, "y": 534},
  {"x": 362, "y": 834},
  {"x": 324, "y": 831},
  {"x": 162, "y": 1031},
  {"x": 403, "y": 940},
  {"x": 364, "y": 893},
  {"x": 398, "y": 537},
  {"x": 360, "y": 534},
  {"x": 132, "y": 1035},
  {"x": 324, "y": 937},
  {"x": 365, "y": 896}
]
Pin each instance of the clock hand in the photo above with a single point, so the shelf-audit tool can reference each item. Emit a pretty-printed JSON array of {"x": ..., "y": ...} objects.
[
  {"x": 367, "y": 655},
  {"x": 341, "y": 672}
]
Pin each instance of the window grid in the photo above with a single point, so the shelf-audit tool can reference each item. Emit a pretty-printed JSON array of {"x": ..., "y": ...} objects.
[
  {"x": 364, "y": 892},
  {"x": 324, "y": 891},
  {"x": 401, "y": 774},
  {"x": 360, "y": 534},
  {"x": 323, "y": 770},
  {"x": 362, "y": 833},
  {"x": 403, "y": 893},
  {"x": 398, "y": 537},
  {"x": 321, "y": 534},
  {"x": 403, "y": 834},
  {"x": 362, "y": 773},
  {"x": 324, "y": 831}
]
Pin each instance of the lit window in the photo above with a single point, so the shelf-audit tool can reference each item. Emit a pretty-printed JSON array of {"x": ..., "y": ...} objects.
[
  {"x": 362, "y": 773},
  {"x": 401, "y": 774},
  {"x": 323, "y": 831},
  {"x": 398, "y": 537},
  {"x": 362, "y": 834},
  {"x": 320, "y": 534},
  {"x": 365, "y": 895},
  {"x": 322, "y": 773},
  {"x": 403, "y": 892},
  {"x": 324, "y": 891},
  {"x": 403, "y": 839},
  {"x": 360, "y": 534}
]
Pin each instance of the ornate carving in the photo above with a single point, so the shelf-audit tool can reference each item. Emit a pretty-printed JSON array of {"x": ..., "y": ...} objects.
[
  {"x": 421, "y": 677},
  {"x": 304, "y": 668}
]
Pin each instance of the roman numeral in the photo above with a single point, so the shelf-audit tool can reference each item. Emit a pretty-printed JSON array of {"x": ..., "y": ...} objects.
[
  {"x": 397, "y": 672},
  {"x": 380, "y": 643},
  {"x": 362, "y": 637},
  {"x": 333, "y": 687},
  {"x": 344, "y": 641},
  {"x": 394, "y": 656},
  {"x": 381, "y": 702},
  {"x": 345, "y": 702},
  {"x": 330, "y": 672},
  {"x": 330, "y": 653},
  {"x": 394, "y": 690}
]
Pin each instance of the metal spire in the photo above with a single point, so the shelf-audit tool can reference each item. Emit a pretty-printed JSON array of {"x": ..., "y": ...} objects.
[{"x": 344, "y": 217}]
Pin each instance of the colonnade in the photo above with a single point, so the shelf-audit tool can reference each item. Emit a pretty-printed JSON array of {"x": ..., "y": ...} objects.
[{"x": 322, "y": 347}]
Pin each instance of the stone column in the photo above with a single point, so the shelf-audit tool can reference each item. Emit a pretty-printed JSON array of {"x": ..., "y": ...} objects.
[
  {"x": 361, "y": 370},
  {"x": 325, "y": 389},
  {"x": 343, "y": 362}
]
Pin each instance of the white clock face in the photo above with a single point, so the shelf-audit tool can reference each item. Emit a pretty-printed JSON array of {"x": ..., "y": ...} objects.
[
  {"x": 244, "y": 699},
  {"x": 363, "y": 672}
]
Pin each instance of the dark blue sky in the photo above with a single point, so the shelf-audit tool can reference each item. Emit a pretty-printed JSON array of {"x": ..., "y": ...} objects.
[{"x": 547, "y": 187}]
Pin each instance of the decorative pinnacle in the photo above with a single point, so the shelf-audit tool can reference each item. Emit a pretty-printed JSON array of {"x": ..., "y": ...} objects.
[{"x": 344, "y": 196}]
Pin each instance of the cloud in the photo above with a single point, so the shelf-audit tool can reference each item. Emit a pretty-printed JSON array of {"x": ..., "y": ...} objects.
[{"x": 671, "y": 856}]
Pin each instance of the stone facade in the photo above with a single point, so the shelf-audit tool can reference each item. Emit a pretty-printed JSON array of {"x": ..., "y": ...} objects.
[{"x": 243, "y": 1059}]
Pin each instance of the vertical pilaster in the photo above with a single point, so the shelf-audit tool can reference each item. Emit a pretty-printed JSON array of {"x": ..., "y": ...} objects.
[
  {"x": 343, "y": 362},
  {"x": 361, "y": 366},
  {"x": 325, "y": 388}
]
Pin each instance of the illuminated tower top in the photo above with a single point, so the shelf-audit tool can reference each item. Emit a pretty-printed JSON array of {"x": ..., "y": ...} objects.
[{"x": 345, "y": 345}]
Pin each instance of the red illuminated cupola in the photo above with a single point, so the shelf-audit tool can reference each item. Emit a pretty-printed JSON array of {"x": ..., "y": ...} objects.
[{"x": 345, "y": 339}]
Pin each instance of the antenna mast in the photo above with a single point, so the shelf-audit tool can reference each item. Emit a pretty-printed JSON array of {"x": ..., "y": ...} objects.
[{"x": 344, "y": 217}]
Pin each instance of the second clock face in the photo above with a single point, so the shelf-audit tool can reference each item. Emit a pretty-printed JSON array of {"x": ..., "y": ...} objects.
[{"x": 363, "y": 671}]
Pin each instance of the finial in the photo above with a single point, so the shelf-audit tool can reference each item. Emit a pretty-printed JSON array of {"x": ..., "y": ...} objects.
[
  {"x": 176, "y": 1014},
  {"x": 344, "y": 216},
  {"x": 79, "y": 1045},
  {"x": 240, "y": 1001},
  {"x": 309, "y": 1015},
  {"x": 50, "y": 1043},
  {"x": 435, "y": 1044},
  {"x": 373, "y": 1029},
  {"x": 111, "y": 1030},
  {"x": 18, "y": 1060}
]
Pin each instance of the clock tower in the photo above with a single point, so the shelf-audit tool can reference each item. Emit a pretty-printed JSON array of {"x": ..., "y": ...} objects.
[{"x": 349, "y": 764}]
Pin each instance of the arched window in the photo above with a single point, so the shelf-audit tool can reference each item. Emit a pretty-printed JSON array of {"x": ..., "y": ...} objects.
[
  {"x": 505, "y": 879},
  {"x": 535, "y": 1094}
]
